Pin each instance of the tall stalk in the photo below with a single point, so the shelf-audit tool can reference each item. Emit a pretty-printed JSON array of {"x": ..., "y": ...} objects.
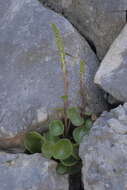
[
  {"x": 62, "y": 54},
  {"x": 82, "y": 88}
]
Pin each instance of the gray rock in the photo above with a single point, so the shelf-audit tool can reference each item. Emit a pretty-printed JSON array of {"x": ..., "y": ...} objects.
[
  {"x": 111, "y": 75},
  {"x": 100, "y": 21},
  {"x": 29, "y": 172},
  {"x": 31, "y": 78},
  {"x": 104, "y": 152}
]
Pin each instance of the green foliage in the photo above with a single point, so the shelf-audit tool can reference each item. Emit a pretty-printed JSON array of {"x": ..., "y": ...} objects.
[
  {"x": 62, "y": 139},
  {"x": 56, "y": 128},
  {"x": 33, "y": 142},
  {"x": 47, "y": 149},
  {"x": 61, "y": 169},
  {"x": 88, "y": 125},
  {"x": 75, "y": 153},
  {"x": 62, "y": 54},
  {"x": 64, "y": 97},
  {"x": 60, "y": 46},
  {"x": 82, "y": 67},
  {"x": 71, "y": 161},
  {"x": 53, "y": 144},
  {"x": 49, "y": 137},
  {"x": 78, "y": 134},
  {"x": 88, "y": 113},
  {"x": 63, "y": 149},
  {"x": 74, "y": 116}
]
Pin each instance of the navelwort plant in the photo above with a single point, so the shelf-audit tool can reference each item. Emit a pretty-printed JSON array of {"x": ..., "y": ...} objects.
[{"x": 61, "y": 141}]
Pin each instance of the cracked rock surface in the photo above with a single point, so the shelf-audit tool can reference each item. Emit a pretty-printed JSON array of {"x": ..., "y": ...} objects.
[
  {"x": 29, "y": 172},
  {"x": 104, "y": 152}
]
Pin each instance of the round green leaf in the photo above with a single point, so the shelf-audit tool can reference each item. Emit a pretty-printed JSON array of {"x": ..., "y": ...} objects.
[
  {"x": 75, "y": 153},
  {"x": 49, "y": 137},
  {"x": 63, "y": 149},
  {"x": 71, "y": 161},
  {"x": 47, "y": 149},
  {"x": 88, "y": 113},
  {"x": 74, "y": 115},
  {"x": 88, "y": 124},
  {"x": 61, "y": 169},
  {"x": 33, "y": 142},
  {"x": 78, "y": 134},
  {"x": 56, "y": 128}
]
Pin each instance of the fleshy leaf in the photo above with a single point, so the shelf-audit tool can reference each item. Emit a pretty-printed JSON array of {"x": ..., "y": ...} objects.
[
  {"x": 88, "y": 125},
  {"x": 49, "y": 137},
  {"x": 47, "y": 149},
  {"x": 33, "y": 142},
  {"x": 61, "y": 169},
  {"x": 88, "y": 113},
  {"x": 75, "y": 153},
  {"x": 78, "y": 134},
  {"x": 74, "y": 115},
  {"x": 71, "y": 161},
  {"x": 56, "y": 127},
  {"x": 63, "y": 149}
]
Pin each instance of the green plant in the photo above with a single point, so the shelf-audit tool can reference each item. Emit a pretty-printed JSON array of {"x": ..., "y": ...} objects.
[
  {"x": 62, "y": 54},
  {"x": 62, "y": 139},
  {"x": 54, "y": 144}
]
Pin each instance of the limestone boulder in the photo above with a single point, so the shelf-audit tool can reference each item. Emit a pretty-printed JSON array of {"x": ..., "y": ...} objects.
[
  {"x": 112, "y": 73},
  {"x": 31, "y": 78},
  {"x": 29, "y": 172},
  {"x": 104, "y": 152},
  {"x": 100, "y": 21}
]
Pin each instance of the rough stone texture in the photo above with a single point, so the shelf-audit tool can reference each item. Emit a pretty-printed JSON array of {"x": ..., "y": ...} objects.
[
  {"x": 112, "y": 74},
  {"x": 104, "y": 152},
  {"x": 100, "y": 21},
  {"x": 29, "y": 172},
  {"x": 31, "y": 81}
]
